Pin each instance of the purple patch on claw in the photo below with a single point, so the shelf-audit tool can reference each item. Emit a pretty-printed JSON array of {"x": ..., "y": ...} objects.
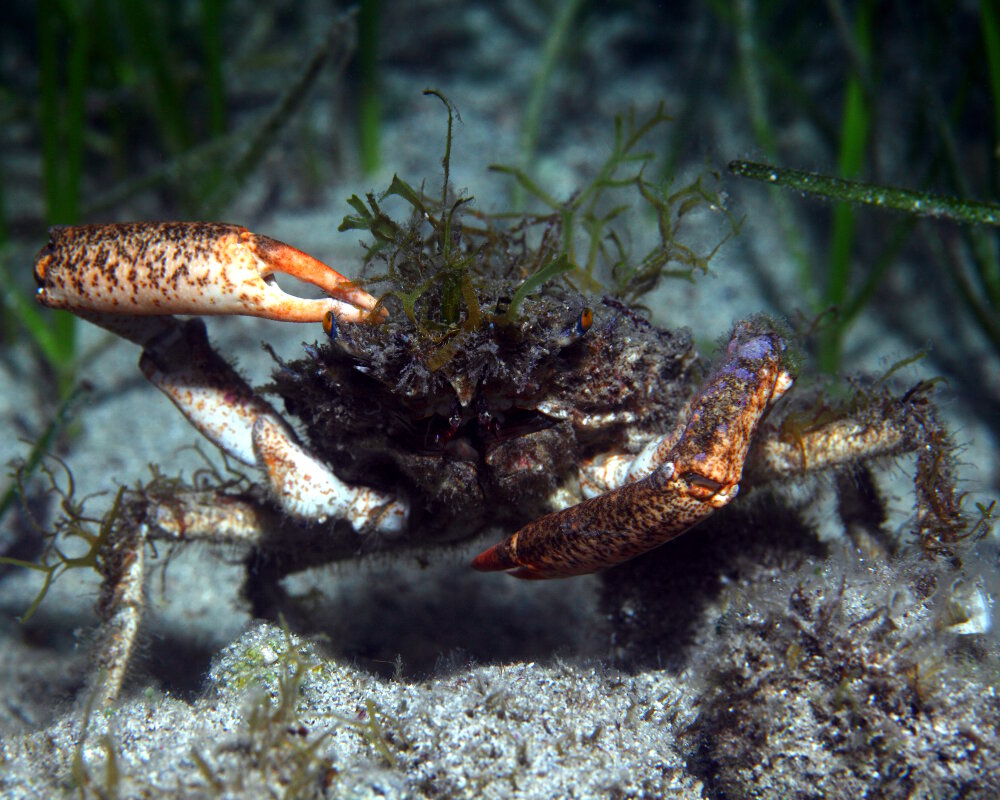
[{"x": 756, "y": 348}]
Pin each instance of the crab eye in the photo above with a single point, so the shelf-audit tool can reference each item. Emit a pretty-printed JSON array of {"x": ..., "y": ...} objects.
[
  {"x": 330, "y": 324},
  {"x": 578, "y": 327}
]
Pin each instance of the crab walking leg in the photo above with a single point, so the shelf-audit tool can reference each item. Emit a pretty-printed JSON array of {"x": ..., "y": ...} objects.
[
  {"x": 696, "y": 475},
  {"x": 121, "y": 605},
  {"x": 884, "y": 426},
  {"x": 889, "y": 428},
  {"x": 159, "y": 268},
  {"x": 162, "y": 511}
]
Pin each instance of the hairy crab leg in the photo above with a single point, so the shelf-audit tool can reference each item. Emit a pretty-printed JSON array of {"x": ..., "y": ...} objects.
[
  {"x": 685, "y": 480},
  {"x": 120, "y": 605},
  {"x": 159, "y": 268}
]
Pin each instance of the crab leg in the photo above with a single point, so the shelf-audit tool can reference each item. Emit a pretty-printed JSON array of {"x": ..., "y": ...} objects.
[
  {"x": 217, "y": 401},
  {"x": 675, "y": 484},
  {"x": 123, "y": 562},
  {"x": 158, "y": 268}
]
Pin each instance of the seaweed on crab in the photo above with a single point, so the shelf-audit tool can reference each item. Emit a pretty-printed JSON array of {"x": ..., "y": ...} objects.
[{"x": 438, "y": 260}]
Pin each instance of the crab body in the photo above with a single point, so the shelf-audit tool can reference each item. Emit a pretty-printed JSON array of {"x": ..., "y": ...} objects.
[{"x": 497, "y": 435}]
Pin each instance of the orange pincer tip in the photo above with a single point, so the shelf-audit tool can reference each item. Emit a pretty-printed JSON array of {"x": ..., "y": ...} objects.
[{"x": 495, "y": 559}]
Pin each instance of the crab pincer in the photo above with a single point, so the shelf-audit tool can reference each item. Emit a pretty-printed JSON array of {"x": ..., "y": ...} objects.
[
  {"x": 163, "y": 268},
  {"x": 131, "y": 278},
  {"x": 694, "y": 475}
]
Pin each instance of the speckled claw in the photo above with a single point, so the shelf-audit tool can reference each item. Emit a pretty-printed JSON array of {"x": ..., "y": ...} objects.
[
  {"x": 132, "y": 277},
  {"x": 159, "y": 268},
  {"x": 674, "y": 487}
]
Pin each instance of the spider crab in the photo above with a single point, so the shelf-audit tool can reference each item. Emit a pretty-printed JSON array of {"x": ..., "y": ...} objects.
[{"x": 575, "y": 427}]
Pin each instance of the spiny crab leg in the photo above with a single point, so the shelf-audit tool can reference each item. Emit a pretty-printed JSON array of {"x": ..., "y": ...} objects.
[
  {"x": 158, "y": 268},
  {"x": 684, "y": 481}
]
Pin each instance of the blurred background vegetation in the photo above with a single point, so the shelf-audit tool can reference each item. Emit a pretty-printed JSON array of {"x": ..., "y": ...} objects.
[{"x": 914, "y": 100}]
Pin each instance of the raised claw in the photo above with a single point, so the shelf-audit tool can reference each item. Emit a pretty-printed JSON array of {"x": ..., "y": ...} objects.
[
  {"x": 693, "y": 476},
  {"x": 157, "y": 268}
]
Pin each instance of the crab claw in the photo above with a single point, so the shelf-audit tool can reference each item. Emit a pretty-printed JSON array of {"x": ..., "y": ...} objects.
[
  {"x": 157, "y": 268},
  {"x": 694, "y": 476}
]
